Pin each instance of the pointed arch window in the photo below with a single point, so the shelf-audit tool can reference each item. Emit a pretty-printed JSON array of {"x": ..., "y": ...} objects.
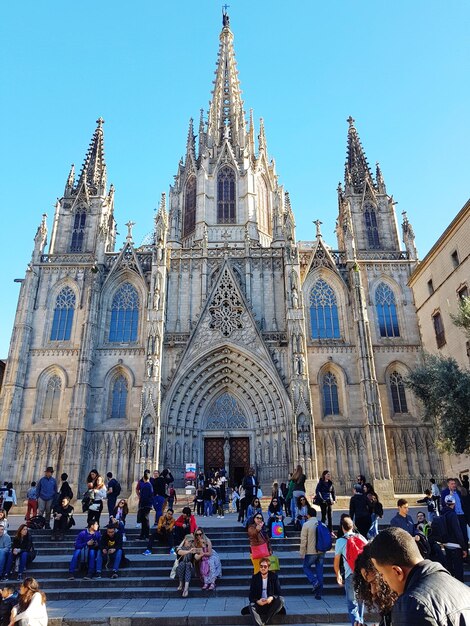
[
  {"x": 324, "y": 311},
  {"x": 397, "y": 389},
  {"x": 119, "y": 398},
  {"x": 189, "y": 222},
  {"x": 78, "y": 231},
  {"x": 63, "y": 315},
  {"x": 226, "y": 196},
  {"x": 124, "y": 314},
  {"x": 372, "y": 229},
  {"x": 330, "y": 394},
  {"x": 386, "y": 311},
  {"x": 264, "y": 218},
  {"x": 52, "y": 399}
]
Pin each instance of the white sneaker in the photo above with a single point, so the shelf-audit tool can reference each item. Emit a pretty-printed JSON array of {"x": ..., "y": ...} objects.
[
  {"x": 218, "y": 516},
  {"x": 222, "y": 517},
  {"x": 124, "y": 538}
]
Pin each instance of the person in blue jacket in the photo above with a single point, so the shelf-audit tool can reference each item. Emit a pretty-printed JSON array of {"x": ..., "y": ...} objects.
[{"x": 89, "y": 541}]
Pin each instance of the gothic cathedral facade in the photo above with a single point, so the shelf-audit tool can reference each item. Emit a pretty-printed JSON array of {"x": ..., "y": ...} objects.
[{"x": 220, "y": 340}]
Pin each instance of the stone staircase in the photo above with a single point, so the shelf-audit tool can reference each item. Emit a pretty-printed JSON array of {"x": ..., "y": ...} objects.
[{"x": 148, "y": 577}]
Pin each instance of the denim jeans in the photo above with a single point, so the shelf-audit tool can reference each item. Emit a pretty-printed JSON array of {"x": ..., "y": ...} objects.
[
  {"x": 22, "y": 560},
  {"x": 115, "y": 557},
  {"x": 208, "y": 508},
  {"x": 355, "y": 608},
  {"x": 91, "y": 561},
  {"x": 3, "y": 560},
  {"x": 316, "y": 560},
  {"x": 158, "y": 503}
]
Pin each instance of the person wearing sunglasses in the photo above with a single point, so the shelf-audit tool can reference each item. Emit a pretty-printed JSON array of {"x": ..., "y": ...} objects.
[
  {"x": 207, "y": 560},
  {"x": 265, "y": 595}
]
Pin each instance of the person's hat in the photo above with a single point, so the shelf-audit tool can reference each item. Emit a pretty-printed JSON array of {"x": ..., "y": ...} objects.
[
  {"x": 189, "y": 537},
  {"x": 450, "y": 499},
  {"x": 50, "y": 469}
]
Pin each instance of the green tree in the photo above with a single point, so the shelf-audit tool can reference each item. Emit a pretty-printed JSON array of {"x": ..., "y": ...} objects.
[
  {"x": 444, "y": 389},
  {"x": 462, "y": 319}
]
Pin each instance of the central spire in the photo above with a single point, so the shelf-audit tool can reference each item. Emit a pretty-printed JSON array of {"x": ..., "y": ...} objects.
[
  {"x": 93, "y": 173},
  {"x": 226, "y": 117},
  {"x": 357, "y": 169}
]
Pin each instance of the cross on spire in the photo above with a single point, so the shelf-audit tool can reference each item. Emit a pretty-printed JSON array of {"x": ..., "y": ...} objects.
[
  {"x": 129, "y": 231},
  {"x": 318, "y": 223}
]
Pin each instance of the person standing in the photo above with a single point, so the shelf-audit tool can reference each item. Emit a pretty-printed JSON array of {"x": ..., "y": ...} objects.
[
  {"x": 65, "y": 490},
  {"x": 250, "y": 487},
  {"x": 355, "y": 608},
  {"x": 325, "y": 497},
  {"x": 299, "y": 489},
  {"x": 32, "y": 498},
  {"x": 360, "y": 510},
  {"x": 265, "y": 595},
  {"x": 452, "y": 490},
  {"x": 98, "y": 494},
  {"x": 427, "y": 593},
  {"x": 10, "y": 498},
  {"x": 456, "y": 547},
  {"x": 436, "y": 495},
  {"x": 113, "y": 489},
  {"x": 402, "y": 519},
  {"x": 308, "y": 552},
  {"x": 46, "y": 491},
  {"x": 145, "y": 506}
]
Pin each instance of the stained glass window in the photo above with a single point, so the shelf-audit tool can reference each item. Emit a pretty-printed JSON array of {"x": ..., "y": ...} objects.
[
  {"x": 330, "y": 394},
  {"x": 124, "y": 314},
  {"x": 78, "y": 231},
  {"x": 386, "y": 311},
  {"x": 225, "y": 413},
  {"x": 119, "y": 397},
  {"x": 226, "y": 196},
  {"x": 323, "y": 311},
  {"x": 52, "y": 399},
  {"x": 372, "y": 228},
  {"x": 190, "y": 207},
  {"x": 397, "y": 389},
  {"x": 63, "y": 315}
]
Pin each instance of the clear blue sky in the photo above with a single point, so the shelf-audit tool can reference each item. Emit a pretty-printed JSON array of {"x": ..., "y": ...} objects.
[{"x": 400, "y": 68}]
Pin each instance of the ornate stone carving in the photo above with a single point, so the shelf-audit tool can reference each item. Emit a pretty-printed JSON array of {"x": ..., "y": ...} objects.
[
  {"x": 226, "y": 307},
  {"x": 225, "y": 414}
]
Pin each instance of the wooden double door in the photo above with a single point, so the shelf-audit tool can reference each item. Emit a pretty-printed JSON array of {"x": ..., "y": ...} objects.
[{"x": 239, "y": 459}]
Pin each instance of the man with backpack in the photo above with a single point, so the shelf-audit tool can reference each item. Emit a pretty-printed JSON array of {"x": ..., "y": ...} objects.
[
  {"x": 314, "y": 540},
  {"x": 349, "y": 547}
]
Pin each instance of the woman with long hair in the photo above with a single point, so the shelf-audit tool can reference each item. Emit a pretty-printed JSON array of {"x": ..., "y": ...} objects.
[
  {"x": 275, "y": 514},
  {"x": 185, "y": 556},
  {"x": 118, "y": 518},
  {"x": 371, "y": 588},
  {"x": 98, "y": 494},
  {"x": 376, "y": 510},
  {"x": 253, "y": 509},
  {"x": 31, "y": 608},
  {"x": 9, "y": 498},
  {"x": 22, "y": 549},
  {"x": 258, "y": 537},
  {"x": 302, "y": 510},
  {"x": 299, "y": 479},
  {"x": 325, "y": 497},
  {"x": 4, "y": 520},
  {"x": 207, "y": 560}
]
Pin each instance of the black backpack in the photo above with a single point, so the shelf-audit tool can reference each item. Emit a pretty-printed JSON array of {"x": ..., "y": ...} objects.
[
  {"x": 116, "y": 488},
  {"x": 439, "y": 530},
  {"x": 36, "y": 523}
]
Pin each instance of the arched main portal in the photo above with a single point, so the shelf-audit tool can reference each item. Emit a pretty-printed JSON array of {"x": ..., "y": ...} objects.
[
  {"x": 227, "y": 436},
  {"x": 230, "y": 395}
]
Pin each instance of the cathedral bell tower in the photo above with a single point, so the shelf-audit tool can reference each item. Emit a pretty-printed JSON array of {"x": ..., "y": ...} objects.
[
  {"x": 226, "y": 187},
  {"x": 84, "y": 219}
]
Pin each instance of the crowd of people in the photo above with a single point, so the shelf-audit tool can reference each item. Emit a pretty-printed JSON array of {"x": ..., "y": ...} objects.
[{"x": 434, "y": 545}]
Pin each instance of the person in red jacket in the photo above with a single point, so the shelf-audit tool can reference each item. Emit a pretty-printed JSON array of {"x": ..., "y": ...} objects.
[{"x": 185, "y": 524}]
